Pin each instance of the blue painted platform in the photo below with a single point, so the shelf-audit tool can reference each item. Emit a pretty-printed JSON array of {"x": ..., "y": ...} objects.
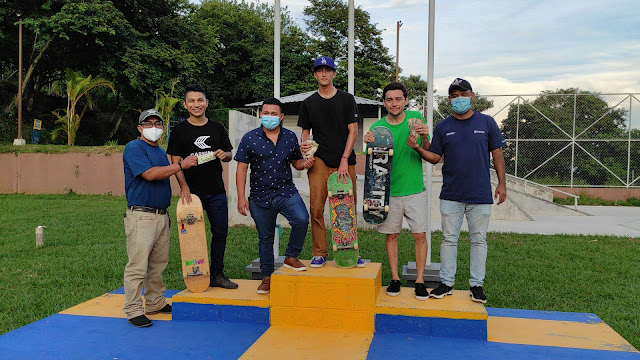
[{"x": 511, "y": 334}]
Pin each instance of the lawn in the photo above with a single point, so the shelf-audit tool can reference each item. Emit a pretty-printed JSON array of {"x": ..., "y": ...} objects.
[{"x": 84, "y": 257}]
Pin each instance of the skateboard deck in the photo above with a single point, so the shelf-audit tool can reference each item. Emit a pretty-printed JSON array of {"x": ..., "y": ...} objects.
[
  {"x": 193, "y": 245},
  {"x": 377, "y": 176},
  {"x": 344, "y": 239}
]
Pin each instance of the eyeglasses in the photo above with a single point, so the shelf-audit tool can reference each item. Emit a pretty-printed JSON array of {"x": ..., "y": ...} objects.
[{"x": 149, "y": 124}]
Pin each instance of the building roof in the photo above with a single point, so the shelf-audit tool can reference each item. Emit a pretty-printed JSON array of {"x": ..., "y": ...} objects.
[{"x": 300, "y": 97}]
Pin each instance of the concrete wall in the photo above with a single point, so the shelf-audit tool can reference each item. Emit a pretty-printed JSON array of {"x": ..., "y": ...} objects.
[
  {"x": 83, "y": 173},
  {"x": 603, "y": 193}
]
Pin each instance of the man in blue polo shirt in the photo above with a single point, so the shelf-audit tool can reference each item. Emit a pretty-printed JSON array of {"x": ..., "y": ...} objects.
[
  {"x": 465, "y": 139},
  {"x": 146, "y": 221},
  {"x": 271, "y": 150}
]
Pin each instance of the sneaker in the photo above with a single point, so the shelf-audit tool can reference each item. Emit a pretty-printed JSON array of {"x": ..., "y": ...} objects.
[
  {"x": 318, "y": 261},
  {"x": 421, "y": 291},
  {"x": 394, "y": 288},
  {"x": 222, "y": 281},
  {"x": 360, "y": 263},
  {"x": 294, "y": 264},
  {"x": 140, "y": 321},
  {"x": 265, "y": 285},
  {"x": 477, "y": 294},
  {"x": 165, "y": 310},
  {"x": 441, "y": 291}
]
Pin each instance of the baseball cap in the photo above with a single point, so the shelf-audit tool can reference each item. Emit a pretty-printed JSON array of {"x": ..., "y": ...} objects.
[
  {"x": 149, "y": 113},
  {"x": 324, "y": 61},
  {"x": 459, "y": 84}
]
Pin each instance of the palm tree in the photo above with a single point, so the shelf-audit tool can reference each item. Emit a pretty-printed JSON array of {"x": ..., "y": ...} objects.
[
  {"x": 165, "y": 104},
  {"x": 77, "y": 87}
]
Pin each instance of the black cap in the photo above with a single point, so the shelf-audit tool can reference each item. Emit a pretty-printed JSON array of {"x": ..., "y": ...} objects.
[
  {"x": 459, "y": 84},
  {"x": 149, "y": 113}
]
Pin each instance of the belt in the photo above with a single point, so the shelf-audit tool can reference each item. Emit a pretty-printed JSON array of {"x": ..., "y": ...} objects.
[{"x": 147, "y": 209}]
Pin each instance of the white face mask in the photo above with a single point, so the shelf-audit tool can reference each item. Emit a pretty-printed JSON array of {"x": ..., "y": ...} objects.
[{"x": 152, "y": 134}]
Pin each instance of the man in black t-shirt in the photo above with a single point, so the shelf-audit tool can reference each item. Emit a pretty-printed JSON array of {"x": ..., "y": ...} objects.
[
  {"x": 332, "y": 115},
  {"x": 201, "y": 137}
]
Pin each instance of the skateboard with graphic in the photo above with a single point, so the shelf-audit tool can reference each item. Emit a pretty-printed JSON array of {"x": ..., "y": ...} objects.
[
  {"x": 344, "y": 238},
  {"x": 193, "y": 245},
  {"x": 377, "y": 176}
]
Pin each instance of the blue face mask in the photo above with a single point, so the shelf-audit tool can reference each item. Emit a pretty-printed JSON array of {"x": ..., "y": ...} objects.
[
  {"x": 461, "y": 104},
  {"x": 270, "y": 122}
]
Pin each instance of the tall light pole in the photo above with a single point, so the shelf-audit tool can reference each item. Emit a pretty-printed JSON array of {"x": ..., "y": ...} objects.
[
  {"x": 19, "y": 140},
  {"x": 398, "y": 25}
]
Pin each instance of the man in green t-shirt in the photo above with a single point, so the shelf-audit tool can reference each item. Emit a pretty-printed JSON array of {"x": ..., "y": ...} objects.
[{"x": 408, "y": 194}]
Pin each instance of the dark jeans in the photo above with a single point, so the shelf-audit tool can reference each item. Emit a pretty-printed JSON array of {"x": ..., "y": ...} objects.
[
  {"x": 294, "y": 210},
  {"x": 216, "y": 208}
]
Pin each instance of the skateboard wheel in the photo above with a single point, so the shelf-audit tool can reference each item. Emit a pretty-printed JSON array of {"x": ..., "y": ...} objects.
[
  {"x": 350, "y": 192},
  {"x": 335, "y": 247},
  {"x": 386, "y": 208},
  {"x": 391, "y": 152},
  {"x": 355, "y": 246},
  {"x": 330, "y": 194},
  {"x": 365, "y": 207},
  {"x": 369, "y": 151}
]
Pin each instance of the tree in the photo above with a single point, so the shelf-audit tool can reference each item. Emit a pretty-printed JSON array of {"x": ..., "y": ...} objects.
[
  {"x": 416, "y": 90},
  {"x": 327, "y": 23},
  {"x": 165, "y": 104},
  {"x": 77, "y": 87},
  {"x": 551, "y": 116}
]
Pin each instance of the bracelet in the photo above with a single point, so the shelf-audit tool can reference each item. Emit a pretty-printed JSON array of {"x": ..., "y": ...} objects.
[
  {"x": 180, "y": 164},
  {"x": 345, "y": 157}
]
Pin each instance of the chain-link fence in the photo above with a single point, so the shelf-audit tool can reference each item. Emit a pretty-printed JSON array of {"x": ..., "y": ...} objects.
[{"x": 577, "y": 140}]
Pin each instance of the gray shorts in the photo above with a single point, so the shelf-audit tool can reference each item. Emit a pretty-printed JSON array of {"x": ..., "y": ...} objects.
[{"x": 412, "y": 207}]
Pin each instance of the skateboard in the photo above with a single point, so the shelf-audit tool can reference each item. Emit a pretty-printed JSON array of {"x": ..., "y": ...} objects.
[
  {"x": 377, "y": 176},
  {"x": 344, "y": 238},
  {"x": 193, "y": 245}
]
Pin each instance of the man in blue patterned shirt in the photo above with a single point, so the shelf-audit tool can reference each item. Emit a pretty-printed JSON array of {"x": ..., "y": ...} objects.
[{"x": 271, "y": 150}]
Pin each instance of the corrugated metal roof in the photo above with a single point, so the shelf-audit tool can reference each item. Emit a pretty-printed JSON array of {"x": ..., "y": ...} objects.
[{"x": 300, "y": 97}]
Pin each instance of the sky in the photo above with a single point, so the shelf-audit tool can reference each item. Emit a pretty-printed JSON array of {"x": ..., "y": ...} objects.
[{"x": 513, "y": 46}]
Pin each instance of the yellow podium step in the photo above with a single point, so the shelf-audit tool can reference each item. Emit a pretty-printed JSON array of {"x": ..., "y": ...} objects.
[{"x": 328, "y": 297}]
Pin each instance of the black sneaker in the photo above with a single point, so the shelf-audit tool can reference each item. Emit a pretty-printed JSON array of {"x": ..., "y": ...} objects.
[
  {"x": 165, "y": 310},
  {"x": 394, "y": 288},
  {"x": 222, "y": 281},
  {"x": 440, "y": 291},
  {"x": 477, "y": 294},
  {"x": 140, "y": 321},
  {"x": 421, "y": 291}
]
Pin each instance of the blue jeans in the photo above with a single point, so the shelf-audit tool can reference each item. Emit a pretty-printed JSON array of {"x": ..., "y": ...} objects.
[
  {"x": 452, "y": 213},
  {"x": 216, "y": 208},
  {"x": 295, "y": 211}
]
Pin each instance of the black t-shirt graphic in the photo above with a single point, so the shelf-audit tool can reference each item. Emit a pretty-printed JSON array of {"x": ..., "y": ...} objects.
[{"x": 188, "y": 139}]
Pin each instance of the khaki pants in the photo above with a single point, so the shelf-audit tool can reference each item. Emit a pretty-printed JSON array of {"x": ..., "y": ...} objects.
[
  {"x": 148, "y": 252},
  {"x": 318, "y": 176}
]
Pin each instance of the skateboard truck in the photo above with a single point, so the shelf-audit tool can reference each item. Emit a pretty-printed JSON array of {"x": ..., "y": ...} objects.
[
  {"x": 340, "y": 193},
  {"x": 195, "y": 271},
  {"x": 190, "y": 219}
]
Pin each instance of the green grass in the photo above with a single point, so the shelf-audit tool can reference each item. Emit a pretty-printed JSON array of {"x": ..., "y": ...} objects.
[
  {"x": 84, "y": 257},
  {"x": 591, "y": 200}
]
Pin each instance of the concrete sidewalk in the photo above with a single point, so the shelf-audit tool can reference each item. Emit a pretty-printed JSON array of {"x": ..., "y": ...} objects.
[{"x": 604, "y": 220}]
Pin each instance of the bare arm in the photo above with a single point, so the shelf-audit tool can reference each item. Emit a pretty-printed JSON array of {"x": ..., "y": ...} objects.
[
  {"x": 185, "y": 191},
  {"x": 498, "y": 164},
  {"x": 241, "y": 181},
  {"x": 163, "y": 172},
  {"x": 423, "y": 150},
  {"x": 224, "y": 156},
  {"x": 303, "y": 164},
  {"x": 304, "y": 147},
  {"x": 343, "y": 169}
]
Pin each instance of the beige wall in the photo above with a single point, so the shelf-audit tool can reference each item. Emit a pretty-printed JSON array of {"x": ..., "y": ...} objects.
[
  {"x": 610, "y": 194},
  {"x": 83, "y": 173}
]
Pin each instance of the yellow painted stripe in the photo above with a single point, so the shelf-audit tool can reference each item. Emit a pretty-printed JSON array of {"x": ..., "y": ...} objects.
[
  {"x": 595, "y": 336},
  {"x": 244, "y": 295},
  {"x": 331, "y": 273},
  {"x": 108, "y": 305},
  {"x": 307, "y": 343},
  {"x": 456, "y": 306}
]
